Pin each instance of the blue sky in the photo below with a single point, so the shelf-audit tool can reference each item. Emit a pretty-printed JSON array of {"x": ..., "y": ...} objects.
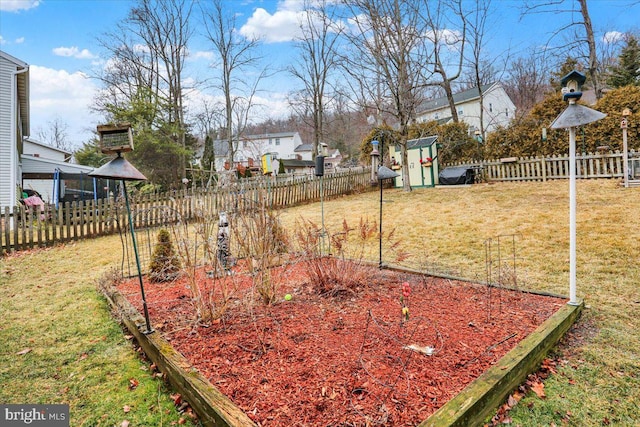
[{"x": 58, "y": 39}]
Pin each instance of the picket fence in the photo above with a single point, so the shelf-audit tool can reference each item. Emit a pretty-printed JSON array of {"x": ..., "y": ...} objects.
[
  {"x": 588, "y": 165},
  {"x": 24, "y": 228}
]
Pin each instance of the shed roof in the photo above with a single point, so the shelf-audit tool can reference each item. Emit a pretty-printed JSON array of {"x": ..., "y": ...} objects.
[{"x": 421, "y": 142}]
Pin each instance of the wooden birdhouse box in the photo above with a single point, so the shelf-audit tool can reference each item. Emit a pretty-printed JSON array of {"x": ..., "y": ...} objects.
[{"x": 116, "y": 138}]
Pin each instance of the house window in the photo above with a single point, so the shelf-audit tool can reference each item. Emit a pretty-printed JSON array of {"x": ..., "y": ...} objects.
[
  {"x": 490, "y": 107},
  {"x": 277, "y": 141},
  {"x": 270, "y": 141},
  {"x": 460, "y": 112},
  {"x": 436, "y": 116},
  {"x": 506, "y": 112}
]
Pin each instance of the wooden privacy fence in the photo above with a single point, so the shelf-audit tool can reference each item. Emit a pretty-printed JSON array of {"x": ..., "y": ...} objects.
[
  {"x": 588, "y": 165},
  {"x": 24, "y": 228}
]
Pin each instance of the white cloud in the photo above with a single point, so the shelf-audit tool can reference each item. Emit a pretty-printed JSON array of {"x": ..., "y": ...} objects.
[
  {"x": 19, "y": 40},
  {"x": 448, "y": 37},
  {"x": 17, "y": 5},
  {"x": 201, "y": 54},
  {"x": 74, "y": 52},
  {"x": 612, "y": 37},
  {"x": 67, "y": 96},
  {"x": 2, "y": 41},
  {"x": 282, "y": 26}
]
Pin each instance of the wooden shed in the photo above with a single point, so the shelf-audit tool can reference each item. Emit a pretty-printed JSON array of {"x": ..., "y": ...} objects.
[{"x": 422, "y": 155}]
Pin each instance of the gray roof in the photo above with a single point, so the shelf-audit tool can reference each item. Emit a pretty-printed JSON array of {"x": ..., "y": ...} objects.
[
  {"x": 51, "y": 147},
  {"x": 269, "y": 135},
  {"x": 303, "y": 147},
  {"x": 458, "y": 98},
  {"x": 295, "y": 163},
  {"x": 39, "y": 165},
  {"x": 421, "y": 142}
]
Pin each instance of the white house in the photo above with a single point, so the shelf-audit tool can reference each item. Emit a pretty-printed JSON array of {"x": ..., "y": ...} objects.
[
  {"x": 14, "y": 124},
  {"x": 249, "y": 149},
  {"x": 498, "y": 109}
]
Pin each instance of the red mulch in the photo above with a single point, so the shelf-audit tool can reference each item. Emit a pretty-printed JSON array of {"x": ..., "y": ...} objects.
[{"x": 341, "y": 360}]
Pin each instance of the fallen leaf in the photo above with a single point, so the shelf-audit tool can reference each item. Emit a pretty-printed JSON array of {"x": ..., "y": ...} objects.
[
  {"x": 538, "y": 389},
  {"x": 176, "y": 398},
  {"x": 23, "y": 352},
  {"x": 182, "y": 420},
  {"x": 126, "y": 409},
  {"x": 83, "y": 356},
  {"x": 133, "y": 383},
  {"x": 125, "y": 423}
]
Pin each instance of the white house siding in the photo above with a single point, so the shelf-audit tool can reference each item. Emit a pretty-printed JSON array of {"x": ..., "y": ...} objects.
[
  {"x": 283, "y": 143},
  {"x": 36, "y": 149},
  {"x": 498, "y": 110},
  {"x": 10, "y": 128}
]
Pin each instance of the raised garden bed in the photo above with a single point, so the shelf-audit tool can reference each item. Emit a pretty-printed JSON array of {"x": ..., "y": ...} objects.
[{"x": 350, "y": 358}]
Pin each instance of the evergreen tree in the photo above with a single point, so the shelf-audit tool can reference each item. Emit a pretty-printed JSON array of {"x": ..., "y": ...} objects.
[
  {"x": 627, "y": 70},
  {"x": 165, "y": 264},
  {"x": 90, "y": 154},
  {"x": 208, "y": 155}
]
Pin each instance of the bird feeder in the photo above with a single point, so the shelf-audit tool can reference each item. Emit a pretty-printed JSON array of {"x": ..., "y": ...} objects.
[{"x": 115, "y": 138}]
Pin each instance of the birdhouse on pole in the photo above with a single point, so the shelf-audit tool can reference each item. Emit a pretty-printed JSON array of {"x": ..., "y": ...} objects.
[
  {"x": 572, "y": 86},
  {"x": 115, "y": 138}
]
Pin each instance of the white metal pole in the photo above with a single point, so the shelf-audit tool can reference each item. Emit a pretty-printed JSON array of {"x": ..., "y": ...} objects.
[
  {"x": 625, "y": 157},
  {"x": 573, "y": 300}
]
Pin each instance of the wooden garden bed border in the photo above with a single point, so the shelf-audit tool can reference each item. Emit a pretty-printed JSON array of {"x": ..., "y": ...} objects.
[{"x": 469, "y": 408}]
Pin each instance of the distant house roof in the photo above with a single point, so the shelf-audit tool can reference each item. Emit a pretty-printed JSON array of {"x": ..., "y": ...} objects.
[
  {"x": 51, "y": 147},
  {"x": 303, "y": 147},
  {"x": 421, "y": 142},
  {"x": 269, "y": 135},
  {"x": 458, "y": 98}
]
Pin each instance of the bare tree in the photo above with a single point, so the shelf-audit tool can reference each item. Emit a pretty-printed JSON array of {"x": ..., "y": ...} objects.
[
  {"x": 528, "y": 81},
  {"x": 55, "y": 134},
  {"x": 580, "y": 30},
  {"x": 144, "y": 74},
  {"x": 386, "y": 62},
  {"x": 316, "y": 46},
  {"x": 164, "y": 26},
  {"x": 236, "y": 57},
  {"x": 476, "y": 25},
  {"x": 446, "y": 29}
]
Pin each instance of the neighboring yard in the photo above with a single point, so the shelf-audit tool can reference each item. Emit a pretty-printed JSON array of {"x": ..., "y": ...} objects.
[{"x": 79, "y": 356}]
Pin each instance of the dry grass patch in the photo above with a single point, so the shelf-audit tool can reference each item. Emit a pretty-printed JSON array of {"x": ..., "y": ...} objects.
[{"x": 445, "y": 229}]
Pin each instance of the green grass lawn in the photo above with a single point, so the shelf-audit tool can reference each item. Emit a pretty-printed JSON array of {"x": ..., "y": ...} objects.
[
  {"x": 60, "y": 344},
  {"x": 79, "y": 355}
]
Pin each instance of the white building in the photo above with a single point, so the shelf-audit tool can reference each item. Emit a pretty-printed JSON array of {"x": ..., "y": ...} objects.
[
  {"x": 14, "y": 124},
  {"x": 250, "y": 149},
  {"x": 497, "y": 107}
]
